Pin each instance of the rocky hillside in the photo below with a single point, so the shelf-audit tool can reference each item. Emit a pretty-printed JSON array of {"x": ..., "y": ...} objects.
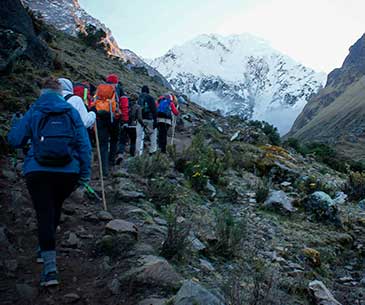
[
  {"x": 241, "y": 74},
  {"x": 336, "y": 115},
  {"x": 69, "y": 17}
]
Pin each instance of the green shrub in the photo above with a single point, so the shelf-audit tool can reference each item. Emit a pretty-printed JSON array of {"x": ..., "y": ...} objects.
[
  {"x": 150, "y": 166},
  {"x": 293, "y": 143},
  {"x": 230, "y": 233},
  {"x": 176, "y": 242},
  {"x": 162, "y": 192},
  {"x": 269, "y": 130},
  {"x": 262, "y": 192}
]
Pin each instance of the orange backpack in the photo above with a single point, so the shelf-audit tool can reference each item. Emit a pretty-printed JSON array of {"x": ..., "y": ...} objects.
[{"x": 106, "y": 100}]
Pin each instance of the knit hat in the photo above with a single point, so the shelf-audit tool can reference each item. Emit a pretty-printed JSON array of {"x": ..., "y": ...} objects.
[{"x": 112, "y": 78}]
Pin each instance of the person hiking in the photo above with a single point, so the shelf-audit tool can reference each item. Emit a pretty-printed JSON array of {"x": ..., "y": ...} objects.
[
  {"x": 83, "y": 90},
  {"x": 56, "y": 164},
  {"x": 129, "y": 131},
  {"x": 147, "y": 103},
  {"x": 108, "y": 114},
  {"x": 165, "y": 109},
  {"x": 77, "y": 102}
]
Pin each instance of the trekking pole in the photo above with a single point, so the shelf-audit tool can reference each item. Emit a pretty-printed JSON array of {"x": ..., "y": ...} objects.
[
  {"x": 173, "y": 129},
  {"x": 91, "y": 191},
  {"x": 100, "y": 165}
]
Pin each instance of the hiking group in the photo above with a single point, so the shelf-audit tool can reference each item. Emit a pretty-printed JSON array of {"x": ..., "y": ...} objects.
[{"x": 60, "y": 129}]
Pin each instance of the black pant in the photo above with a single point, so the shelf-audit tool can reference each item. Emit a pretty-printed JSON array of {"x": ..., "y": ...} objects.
[
  {"x": 163, "y": 128},
  {"x": 108, "y": 139},
  {"x": 48, "y": 191},
  {"x": 125, "y": 134}
]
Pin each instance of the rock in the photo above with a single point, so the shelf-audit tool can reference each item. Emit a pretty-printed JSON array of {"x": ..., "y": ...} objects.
[
  {"x": 235, "y": 136},
  {"x": 212, "y": 189},
  {"x": 321, "y": 294},
  {"x": 206, "y": 265},
  {"x": 340, "y": 198},
  {"x": 10, "y": 175},
  {"x": 193, "y": 293},
  {"x": 73, "y": 241},
  {"x": 105, "y": 215},
  {"x": 153, "y": 271},
  {"x": 322, "y": 207},
  {"x": 313, "y": 256},
  {"x": 26, "y": 292},
  {"x": 362, "y": 282},
  {"x": 71, "y": 297},
  {"x": 346, "y": 279},
  {"x": 279, "y": 200},
  {"x": 153, "y": 301},
  {"x": 197, "y": 245},
  {"x": 285, "y": 184},
  {"x": 105, "y": 265},
  {"x": 11, "y": 264},
  {"x": 362, "y": 204},
  {"x": 160, "y": 221},
  {"x": 130, "y": 195},
  {"x": 114, "y": 286},
  {"x": 122, "y": 226}
]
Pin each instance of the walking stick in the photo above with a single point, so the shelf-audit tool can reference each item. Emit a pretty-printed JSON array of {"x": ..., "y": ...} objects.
[
  {"x": 173, "y": 129},
  {"x": 100, "y": 165}
]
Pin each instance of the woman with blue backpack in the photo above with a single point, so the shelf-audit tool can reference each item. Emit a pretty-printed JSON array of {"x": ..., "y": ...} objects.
[
  {"x": 165, "y": 110},
  {"x": 56, "y": 164}
]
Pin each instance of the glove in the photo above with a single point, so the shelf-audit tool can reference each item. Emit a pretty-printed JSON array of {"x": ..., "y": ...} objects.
[
  {"x": 155, "y": 125},
  {"x": 82, "y": 181}
]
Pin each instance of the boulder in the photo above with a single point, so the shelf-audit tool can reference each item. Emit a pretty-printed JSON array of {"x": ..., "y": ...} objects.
[
  {"x": 153, "y": 271},
  {"x": 340, "y": 198},
  {"x": 105, "y": 216},
  {"x": 153, "y": 301},
  {"x": 121, "y": 226},
  {"x": 193, "y": 293},
  {"x": 279, "y": 200},
  {"x": 71, "y": 297},
  {"x": 130, "y": 195},
  {"x": 321, "y": 295},
  {"x": 322, "y": 207},
  {"x": 206, "y": 265}
]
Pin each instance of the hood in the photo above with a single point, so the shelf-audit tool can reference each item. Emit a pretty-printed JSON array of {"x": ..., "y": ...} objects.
[
  {"x": 51, "y": 102},
  {"x": 66, "y": 85}
]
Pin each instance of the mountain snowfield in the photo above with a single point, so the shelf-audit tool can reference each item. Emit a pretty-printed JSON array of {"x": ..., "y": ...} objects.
[{"x": 241, "y": 74}]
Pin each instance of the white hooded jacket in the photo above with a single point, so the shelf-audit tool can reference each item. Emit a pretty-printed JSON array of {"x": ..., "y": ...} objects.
[{"x": 88, "y": 118}]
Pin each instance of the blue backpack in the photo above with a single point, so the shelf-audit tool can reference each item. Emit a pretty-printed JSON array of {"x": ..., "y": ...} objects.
[
  {"x": 164, "y": 108},
  {"x": 55, "y": 139}
]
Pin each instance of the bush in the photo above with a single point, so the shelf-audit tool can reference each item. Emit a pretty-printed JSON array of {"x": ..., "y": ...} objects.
[
  {"x": 176, "y": 242},
  {"x": 162, "y": 192},
  {"x": 355, "y": 186},
  {"x": 269, "y": 130},
  {"x": 262, "y": 192},
  {"x": 293, "y": 143},
  {"x": 150, "y": 166},
  {"x": 230, "y": 233}
]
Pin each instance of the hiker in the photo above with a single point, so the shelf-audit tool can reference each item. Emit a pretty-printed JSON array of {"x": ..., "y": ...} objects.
[
  {"x": 129, "y": 131},
  {"x": 148, "y": 106},
  {"x": 56, "y": 164},
  {"x": 108, "y": 115},
  {"x": 165, "y": 109},
  {"x": 77, "y": 102},
  {"x": 83, "y": 90}
]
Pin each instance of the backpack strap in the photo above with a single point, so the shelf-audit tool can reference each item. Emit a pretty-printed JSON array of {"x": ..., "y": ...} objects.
[{"x": 68, "y": 96}]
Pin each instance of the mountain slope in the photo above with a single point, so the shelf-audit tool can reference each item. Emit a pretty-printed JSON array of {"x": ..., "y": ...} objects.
[
  {"x": 69, "y": 17},
  {"x": 240, "y": 74},
  {"x": 337, "y": 114}
]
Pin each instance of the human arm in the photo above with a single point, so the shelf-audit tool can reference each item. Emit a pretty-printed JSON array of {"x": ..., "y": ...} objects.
[
  {"x": 174, "y": 109},
  {"x": 20, "y": 131},
  {"x": 88, "y": 118}
]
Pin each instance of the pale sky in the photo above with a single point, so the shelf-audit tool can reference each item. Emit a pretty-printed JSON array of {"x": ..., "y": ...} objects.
[{"x": 317, "y": 33}]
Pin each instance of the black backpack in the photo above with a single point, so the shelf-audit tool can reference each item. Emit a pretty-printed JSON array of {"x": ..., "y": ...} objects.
[
  {"x": 55, "y": 138},
  {"x": 143, "y": 102}
]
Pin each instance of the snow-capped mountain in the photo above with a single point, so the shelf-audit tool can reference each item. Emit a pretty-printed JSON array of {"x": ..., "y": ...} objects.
[
  {"x": 241, "y": 74},
  {"x": 69, "y": 17}
]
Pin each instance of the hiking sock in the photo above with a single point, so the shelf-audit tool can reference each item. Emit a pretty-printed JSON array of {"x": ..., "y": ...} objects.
[{"x": 49, "y": 261}]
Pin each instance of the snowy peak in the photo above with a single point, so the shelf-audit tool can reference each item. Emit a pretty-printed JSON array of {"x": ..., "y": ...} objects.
[{"x": 240, "y": 74}]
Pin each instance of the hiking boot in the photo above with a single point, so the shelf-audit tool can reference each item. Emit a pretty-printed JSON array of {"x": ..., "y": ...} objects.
[
  {"x": 49, "y": 279},
  {"x": 39, "y": 256},
  {"x": 119, "y": 159}
]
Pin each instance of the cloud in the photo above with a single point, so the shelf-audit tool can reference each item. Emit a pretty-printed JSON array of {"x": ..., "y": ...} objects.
[{"x": 317, "y": 33}]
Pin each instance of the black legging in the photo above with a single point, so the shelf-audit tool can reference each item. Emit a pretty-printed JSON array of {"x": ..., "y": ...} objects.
[
  {"x": 125, "y": 134},
  {"x": 163, "y": 128},
  {"x": 48, "y": 191}
]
